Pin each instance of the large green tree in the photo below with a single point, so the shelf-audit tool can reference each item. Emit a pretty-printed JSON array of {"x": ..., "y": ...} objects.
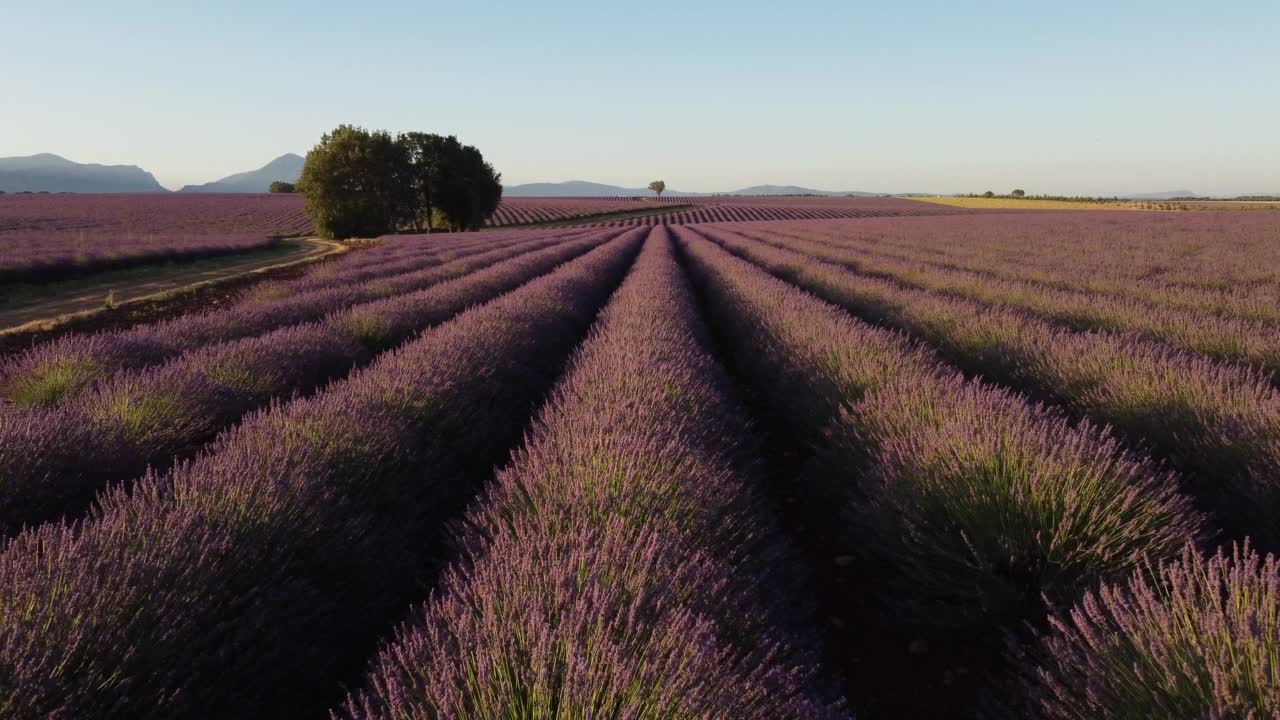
[
  {"x": 430, "y": 159},
  {"x": 357, "y": 183}
]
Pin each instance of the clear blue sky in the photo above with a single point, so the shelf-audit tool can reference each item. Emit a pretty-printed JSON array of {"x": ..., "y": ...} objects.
[{"x": 1081, "y": 97}]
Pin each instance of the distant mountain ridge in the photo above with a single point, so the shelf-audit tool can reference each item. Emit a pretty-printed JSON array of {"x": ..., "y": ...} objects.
[
  {"x": 52, "y": 173},
  {"x": 583, "y": 188},
  {"x": 286, "y": 168}
]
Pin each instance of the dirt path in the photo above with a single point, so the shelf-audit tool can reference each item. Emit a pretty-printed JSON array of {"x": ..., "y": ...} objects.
[{"x": 73, "y": 298}]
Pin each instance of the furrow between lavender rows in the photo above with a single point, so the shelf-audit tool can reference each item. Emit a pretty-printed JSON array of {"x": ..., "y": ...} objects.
[
  {"x": 52, "y": 461},
  {"x": 254, "y": 580}
]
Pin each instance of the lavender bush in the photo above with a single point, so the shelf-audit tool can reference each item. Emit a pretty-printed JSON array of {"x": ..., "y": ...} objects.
[{"x": 1197, "y": 637}]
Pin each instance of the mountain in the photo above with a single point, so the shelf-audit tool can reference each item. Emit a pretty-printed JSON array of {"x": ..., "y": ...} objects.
[
  {"x": 286, "y": 168},
  {"x": 582, "y": 188},
  {"x": 51, "y": 173}
]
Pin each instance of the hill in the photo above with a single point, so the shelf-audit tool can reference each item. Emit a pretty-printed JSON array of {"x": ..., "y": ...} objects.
[
  {"x": 52, "y": 173},
  {"x": 287, "y": 168}
]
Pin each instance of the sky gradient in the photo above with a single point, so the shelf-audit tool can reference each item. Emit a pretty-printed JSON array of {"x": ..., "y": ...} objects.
[{"x": 1069, "y": 98}]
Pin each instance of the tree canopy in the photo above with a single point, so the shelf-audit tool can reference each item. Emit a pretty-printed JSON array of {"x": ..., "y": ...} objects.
[
  {"x": 1018, "y": 193},
  {"x": 280, "y": 186},
  {"x": 658, "y": 186},
  {"x": 359, "y": 183}
]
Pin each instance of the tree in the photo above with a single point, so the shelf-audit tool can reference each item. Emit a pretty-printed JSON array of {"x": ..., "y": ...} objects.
[
  {"x": 279, "y": 186},
  {"x": 356, "y": 183},
  {"x": 658, "y": 186},
  {"x": 988, "y": 194},
  {"x": 453, "y": 186},
  {"x": 1018, "y": 194},
  {"x": 429, "y": 159},
  {"x": 468, "y": 190}
]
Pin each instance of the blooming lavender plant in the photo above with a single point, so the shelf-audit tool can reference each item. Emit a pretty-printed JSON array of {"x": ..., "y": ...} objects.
[{"x": 1196, "y": 637}]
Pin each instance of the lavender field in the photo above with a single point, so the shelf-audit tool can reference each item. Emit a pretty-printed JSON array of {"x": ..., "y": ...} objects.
[
  {"x": 48, "y": 237},
  {"x": 755, "y": 458}
]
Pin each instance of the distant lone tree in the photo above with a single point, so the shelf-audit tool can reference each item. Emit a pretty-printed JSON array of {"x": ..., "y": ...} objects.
[
  {"x": 356, "y": 183},
  {"x": 280, "y": 186},
  {"x": 1018, "y": 194},
  {"x": 988, "y": 194},
  {"x": 658, "y": 186}
]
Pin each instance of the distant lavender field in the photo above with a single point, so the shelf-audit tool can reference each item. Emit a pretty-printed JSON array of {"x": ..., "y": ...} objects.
[{"x": 44, "y": 237}]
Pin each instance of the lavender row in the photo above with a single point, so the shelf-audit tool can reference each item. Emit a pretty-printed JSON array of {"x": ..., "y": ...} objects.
[
  {"x": 1228, "y": 339},
  {"x": 52, "y": 461},
  {"x": 1219, "y": 425},
  {"x": 978, "y": 502},
  {"x": 251, "y": 581},
  {"x": 623, "y": 565},
  {"x": 49, "y": 374}
]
